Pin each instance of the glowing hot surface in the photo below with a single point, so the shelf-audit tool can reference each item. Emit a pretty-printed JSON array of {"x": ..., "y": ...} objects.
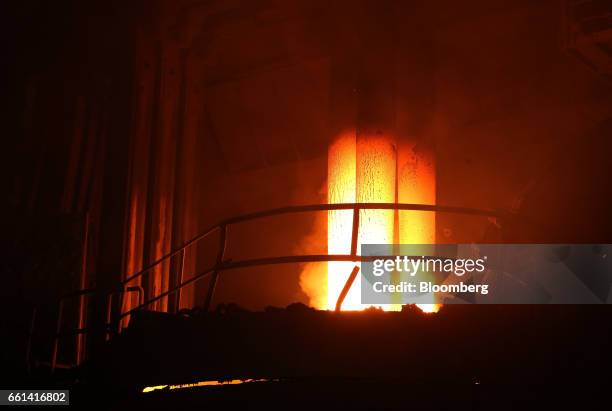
[{"x": 370, "y": 170}]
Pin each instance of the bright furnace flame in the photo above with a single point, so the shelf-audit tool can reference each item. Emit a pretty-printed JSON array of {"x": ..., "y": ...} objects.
[{"x": 372, "y": 170}]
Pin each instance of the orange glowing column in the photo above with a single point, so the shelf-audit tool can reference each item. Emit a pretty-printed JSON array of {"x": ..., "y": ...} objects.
[
  {"x": 369, "y": 169},
  {"x": 341, "y": 184},
  {"x": 359, "y": 170},
  {"x": 417, "y": 185},
  {"x": 376, "y": 177}
]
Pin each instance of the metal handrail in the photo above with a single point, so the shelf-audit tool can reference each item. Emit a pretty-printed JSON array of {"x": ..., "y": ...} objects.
[
  {"x": 169, "y": 255},
  {"x": 222, "y": 265},
  {"x": 109, "y": 304},
  {"x": 78, "y": 331},
  {"x": 228, "y": 265},
  {"x": 312, "y": 208},
  {"x": 58, "y": 324}
]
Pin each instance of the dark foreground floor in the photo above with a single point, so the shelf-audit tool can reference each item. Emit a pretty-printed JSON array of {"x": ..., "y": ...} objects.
[
  {"x": 462, "y": 358},
  {"x": 374, "y": 394}
]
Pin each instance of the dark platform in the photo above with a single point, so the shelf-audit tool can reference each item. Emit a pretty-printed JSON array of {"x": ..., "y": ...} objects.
[{"x": 462, "y": 344}]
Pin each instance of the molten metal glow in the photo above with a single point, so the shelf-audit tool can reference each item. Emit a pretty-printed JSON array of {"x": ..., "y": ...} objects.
[
  {"x": 341, "y": 182},
  {"x": 202, "y": 384},
  {"x": 417, "y": 184},
  {"x": 370, "y": 170}
]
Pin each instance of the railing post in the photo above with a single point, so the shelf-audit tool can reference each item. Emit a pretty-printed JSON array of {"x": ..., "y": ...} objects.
[
  {"x": 138, "y": 289},
  {"x": 109, "y": 311},
  {"x": 347, "y": 287},
  {"x": 58, "y": 328},
  {"x": 218, "y": 263},
  {"x": 355, "y": 271},
  {"x": 355, "y": 234},
  {"x": 176, "y": 301}
]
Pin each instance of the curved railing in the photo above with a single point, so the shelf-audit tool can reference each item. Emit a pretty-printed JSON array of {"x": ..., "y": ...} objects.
[{"x": 221, "y": 264}]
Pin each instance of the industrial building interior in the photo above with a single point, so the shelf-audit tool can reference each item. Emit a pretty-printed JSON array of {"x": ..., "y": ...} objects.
[{"x": 140, "y": 136}]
